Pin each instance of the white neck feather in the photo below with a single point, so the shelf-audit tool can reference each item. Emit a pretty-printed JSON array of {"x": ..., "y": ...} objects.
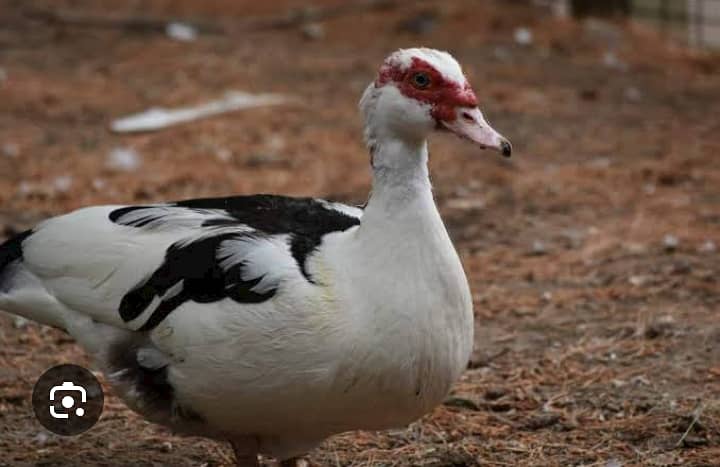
[
  {"x": 401, "y": 183},
  {"x": 400, "y": 177}
]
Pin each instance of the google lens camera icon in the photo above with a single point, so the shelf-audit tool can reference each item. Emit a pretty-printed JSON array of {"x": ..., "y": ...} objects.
[
  {"x": 64, "y": 393},
  {"x": 67, "y": 400}
]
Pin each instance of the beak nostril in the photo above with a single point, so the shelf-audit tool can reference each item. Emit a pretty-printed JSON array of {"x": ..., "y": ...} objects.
[
  {"x": 468, "y": 117},
  {"x": 506, "y": 148}
]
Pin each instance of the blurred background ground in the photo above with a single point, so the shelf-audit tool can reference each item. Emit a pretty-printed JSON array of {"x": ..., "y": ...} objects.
[{"x": 592, "y": 254}]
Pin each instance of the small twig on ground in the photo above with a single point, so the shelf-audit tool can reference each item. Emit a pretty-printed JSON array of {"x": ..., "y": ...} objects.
[
  {"x": 486, "y": 360},
  {"x": 504, "y": 420},
  {"x": 158, "y": 118},
  {"x": 696, "y": 417}
]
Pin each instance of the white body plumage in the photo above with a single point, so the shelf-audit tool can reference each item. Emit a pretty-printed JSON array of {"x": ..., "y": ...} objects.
[{"x": 375, "y": 343}]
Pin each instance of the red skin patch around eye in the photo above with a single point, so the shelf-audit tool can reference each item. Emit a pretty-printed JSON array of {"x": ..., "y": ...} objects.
[{"x": 443, "y": 95}]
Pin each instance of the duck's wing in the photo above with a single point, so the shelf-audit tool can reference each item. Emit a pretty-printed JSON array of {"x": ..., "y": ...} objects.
[{"x": 131, "y": 266}]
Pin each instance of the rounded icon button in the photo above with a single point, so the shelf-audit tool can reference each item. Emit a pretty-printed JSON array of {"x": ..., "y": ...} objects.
[{"x": 67, "y": 400}]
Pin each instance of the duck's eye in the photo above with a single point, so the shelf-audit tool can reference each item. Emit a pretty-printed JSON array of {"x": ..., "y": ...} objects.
[{"x": 421, "y": 80}]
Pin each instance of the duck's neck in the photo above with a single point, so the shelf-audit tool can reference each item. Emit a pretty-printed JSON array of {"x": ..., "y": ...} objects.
[{"x": 401, "y": 187}]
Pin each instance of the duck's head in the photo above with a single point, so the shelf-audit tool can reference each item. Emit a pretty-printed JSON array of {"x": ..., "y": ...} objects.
[{"x": 421, "y": 90}]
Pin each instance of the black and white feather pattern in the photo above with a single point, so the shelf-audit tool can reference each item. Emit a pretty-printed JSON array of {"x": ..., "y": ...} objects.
[{"x": 241, "y": 248}]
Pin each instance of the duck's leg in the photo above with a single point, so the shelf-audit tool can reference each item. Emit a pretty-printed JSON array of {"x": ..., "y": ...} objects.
[{"x": 246, "y": 452}]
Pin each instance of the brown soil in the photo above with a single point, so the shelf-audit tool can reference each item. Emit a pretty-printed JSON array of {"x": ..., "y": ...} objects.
[{"x": 598, "y": 340}]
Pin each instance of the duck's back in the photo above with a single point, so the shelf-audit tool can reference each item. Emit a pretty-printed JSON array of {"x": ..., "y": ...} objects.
[{"x": 131, "y": 266}]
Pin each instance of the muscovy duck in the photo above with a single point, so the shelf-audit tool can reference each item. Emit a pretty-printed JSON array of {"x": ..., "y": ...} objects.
[{"x": 269, "y": 321}]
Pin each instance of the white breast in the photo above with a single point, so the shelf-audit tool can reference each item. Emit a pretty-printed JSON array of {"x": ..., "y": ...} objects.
[
  {"x": 375, "y": 344},
  {"x": 409, "y": 329}
]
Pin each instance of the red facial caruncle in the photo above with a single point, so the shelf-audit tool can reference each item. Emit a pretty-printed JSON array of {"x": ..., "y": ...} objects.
[{"x": 422, "y": 82}]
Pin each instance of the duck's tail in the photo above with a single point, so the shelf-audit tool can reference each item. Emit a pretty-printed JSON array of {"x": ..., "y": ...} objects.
[
  {"x": 21, "y": 292},
  {"x": 11, "y": 252}
]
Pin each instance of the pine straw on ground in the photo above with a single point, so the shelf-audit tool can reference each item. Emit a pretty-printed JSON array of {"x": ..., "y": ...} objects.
[{"x": 590, "y": 254}]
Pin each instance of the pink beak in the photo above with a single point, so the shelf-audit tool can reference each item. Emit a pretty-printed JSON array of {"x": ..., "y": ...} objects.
[{"x": 470, "y": 124}]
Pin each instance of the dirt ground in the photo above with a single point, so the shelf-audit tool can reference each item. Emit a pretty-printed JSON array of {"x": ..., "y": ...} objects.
[{"x": 592, "y": 254}]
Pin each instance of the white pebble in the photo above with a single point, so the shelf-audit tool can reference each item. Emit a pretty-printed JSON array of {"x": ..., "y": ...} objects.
[
  {"x": 638, "y": 281},
  {"x": 670, "y": 242},
  {"x": 523, "y": 36},
  {"x": 708, "y": 247},
  {"x": 223, "y": 154},
  {"x": 313, "y": 31},
  {"x": 98, "y": 183},
  {"x": 538, "y": 248},
  {"x": 63, "y": 183},
  {"x": 618, "y": 383},
  {"x": 124, "y": 159},
  {"x": 25, "y": 188},
  {"x": 181, "y": 32}
]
